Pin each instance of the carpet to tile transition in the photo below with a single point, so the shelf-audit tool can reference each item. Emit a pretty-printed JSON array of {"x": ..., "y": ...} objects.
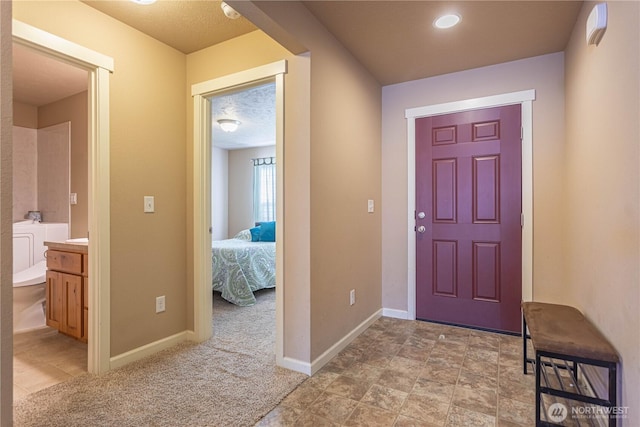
[{"x": 230, "y": 380}]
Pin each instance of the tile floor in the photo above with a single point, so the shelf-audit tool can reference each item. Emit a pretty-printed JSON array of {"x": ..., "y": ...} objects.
[
  {"x": 44, "y": 357},
  {"x": 413, "y": 373}
]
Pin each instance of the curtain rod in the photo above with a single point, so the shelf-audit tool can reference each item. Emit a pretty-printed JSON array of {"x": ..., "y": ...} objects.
[{"x": 264, "y": 161}]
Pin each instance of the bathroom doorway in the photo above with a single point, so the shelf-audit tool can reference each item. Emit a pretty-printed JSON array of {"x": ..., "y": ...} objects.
[
  {"x": 97, "y": 68},
  {"x": 50, "y": 181}
]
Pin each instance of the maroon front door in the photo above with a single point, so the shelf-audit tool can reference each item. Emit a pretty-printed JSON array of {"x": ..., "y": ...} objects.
[{"x": 468, "y": 208}]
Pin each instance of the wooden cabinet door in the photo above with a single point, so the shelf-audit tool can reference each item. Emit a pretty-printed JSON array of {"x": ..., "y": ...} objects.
[
  {"x": 72, "y": 309},
  {"x": 54, "y": 299}
]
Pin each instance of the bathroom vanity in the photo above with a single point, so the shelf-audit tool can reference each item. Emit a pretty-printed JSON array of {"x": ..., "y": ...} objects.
[{"x": 67, "y": 288}]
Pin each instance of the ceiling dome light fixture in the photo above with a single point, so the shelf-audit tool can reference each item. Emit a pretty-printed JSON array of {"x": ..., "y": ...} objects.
[
  {"x": 229, "y": 12},
  {"x": 229, "y": 125},
  {"x": 144, "y": 2},
  {"x": 447, "y": 21}
]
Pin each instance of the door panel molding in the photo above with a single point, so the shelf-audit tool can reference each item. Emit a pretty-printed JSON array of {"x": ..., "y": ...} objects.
[{"x": 525, "y": 99}]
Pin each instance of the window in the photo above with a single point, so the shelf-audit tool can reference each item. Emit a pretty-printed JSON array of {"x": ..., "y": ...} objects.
[{"x": 264, "y": 189}]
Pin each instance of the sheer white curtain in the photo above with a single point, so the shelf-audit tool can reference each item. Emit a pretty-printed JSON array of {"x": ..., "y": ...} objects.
[{"x": 264, "y": 189}]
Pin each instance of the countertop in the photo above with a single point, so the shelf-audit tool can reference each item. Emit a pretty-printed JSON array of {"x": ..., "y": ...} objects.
[{"x": 82, "y": 247}]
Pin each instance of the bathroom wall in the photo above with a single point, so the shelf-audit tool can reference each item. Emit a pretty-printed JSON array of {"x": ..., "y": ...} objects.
[
  {"x": 25, "y": 177},
  {"x": 71, "y": 109},
  {"x": 41, "y": 172},
  {"x": 74, "y": 110},
  {"x": 25, "y": 115},
  {"x": 54, "y": 144}
]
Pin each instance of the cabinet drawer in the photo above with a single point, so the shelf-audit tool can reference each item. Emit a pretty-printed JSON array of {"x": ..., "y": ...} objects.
[{"x": 68, "y": 262}]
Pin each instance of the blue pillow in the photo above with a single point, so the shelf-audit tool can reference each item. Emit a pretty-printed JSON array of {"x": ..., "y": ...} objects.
[
  {"x": 268, "y": 231},
  {"x": 255, "y": 234}
]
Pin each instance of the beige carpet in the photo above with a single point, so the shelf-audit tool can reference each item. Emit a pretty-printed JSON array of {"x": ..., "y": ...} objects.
[{"x": 230, "y": 380}]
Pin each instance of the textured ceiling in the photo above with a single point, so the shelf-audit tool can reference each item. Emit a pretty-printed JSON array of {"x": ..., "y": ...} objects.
[
  {"x": 396, "y": 41},
  {"x": 40, "y": 80},
  {"x": 255, "y": 108},
  {"x": 186, "y": 25}
]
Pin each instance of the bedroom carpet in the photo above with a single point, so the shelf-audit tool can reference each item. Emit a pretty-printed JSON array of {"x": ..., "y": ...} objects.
[{"x": 230, "y": 380}]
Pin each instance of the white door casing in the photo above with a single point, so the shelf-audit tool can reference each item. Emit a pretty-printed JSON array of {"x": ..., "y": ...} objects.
[
  {"x": 98, "y": 67},
  {"x": 202, "y": 292}
]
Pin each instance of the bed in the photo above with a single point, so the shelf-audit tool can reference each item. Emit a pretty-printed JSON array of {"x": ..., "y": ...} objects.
[{"x": 241, "y": 267}]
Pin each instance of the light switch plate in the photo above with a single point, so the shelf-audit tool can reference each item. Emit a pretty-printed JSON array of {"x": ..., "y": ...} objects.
[
  {"x": 149, "y": 204},
  {"x": 370, "y": 206},
  {"x": 73, "y": 198}
]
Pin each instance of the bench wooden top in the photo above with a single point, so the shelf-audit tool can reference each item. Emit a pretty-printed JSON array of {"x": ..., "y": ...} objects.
[{"x": 563, "y": 329}]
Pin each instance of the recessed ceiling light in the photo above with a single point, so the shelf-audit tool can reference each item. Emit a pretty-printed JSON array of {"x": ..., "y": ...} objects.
[
  {"x": 143, "y": 1},
  {"x": 447, "y": 21}
]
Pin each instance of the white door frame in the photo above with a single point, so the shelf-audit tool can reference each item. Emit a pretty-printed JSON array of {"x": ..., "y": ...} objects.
[
  {"x": 525, "y": 99},
  {"x": 98, "y": 67},
  {"x": 202, "y": 292}
]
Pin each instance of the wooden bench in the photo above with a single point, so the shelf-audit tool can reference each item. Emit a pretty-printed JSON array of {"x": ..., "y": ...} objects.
[{"x": 566, "y": 343}]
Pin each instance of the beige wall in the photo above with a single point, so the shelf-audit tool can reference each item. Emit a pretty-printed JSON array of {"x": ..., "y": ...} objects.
[
  {"x": 602, "y": 186},
  {"x": 344, "y": 172},
  {"x": 54, "y": 145},
  {"x": 241, "y": 186},
  {"x": 219, "y": 193},
  {"x": 147, "y": 147},
  {"x": 545, "y": 74},
  {"x": 242, "y": 53},
  {"x": 74, "y": 110},
  {"x": 25, "y": 171},
  {"x": 25, "y": 115},
  {"x": 6, "y": 282}
]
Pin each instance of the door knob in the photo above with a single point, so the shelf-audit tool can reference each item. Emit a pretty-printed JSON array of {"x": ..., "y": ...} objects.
[
  {"x": 421, "y": 229},
  {"x": 421, "y": 215}
]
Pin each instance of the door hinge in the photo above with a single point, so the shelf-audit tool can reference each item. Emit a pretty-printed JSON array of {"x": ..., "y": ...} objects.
[
  {"x": 521, "y": 132},
  {"x": 521, "y": 219}
]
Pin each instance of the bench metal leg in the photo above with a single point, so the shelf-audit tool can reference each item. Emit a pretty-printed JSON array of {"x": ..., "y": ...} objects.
[
  {"x": 525, "y": 370},
  {"x": 537, "y": 368},
  {"x": 613, "y": 390}
]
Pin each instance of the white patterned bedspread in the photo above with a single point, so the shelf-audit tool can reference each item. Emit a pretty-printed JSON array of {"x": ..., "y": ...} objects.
[{"x": 241, "y": 267}]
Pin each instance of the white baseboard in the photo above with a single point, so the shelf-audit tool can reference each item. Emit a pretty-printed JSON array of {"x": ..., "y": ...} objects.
[
  {"x": 325, "y": 357},
  {"x": 147, "y": 350},
  {"x": 296, "y": 365},
  {"x": 398, "y": 314}
]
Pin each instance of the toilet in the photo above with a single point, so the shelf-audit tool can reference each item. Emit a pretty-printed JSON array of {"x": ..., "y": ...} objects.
[{"x": 30, "y": 269}]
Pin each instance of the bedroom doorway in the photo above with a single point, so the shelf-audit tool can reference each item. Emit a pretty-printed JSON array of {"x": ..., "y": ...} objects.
[
  {"x": 256, "y": 80},
  {"x": 243, "y": 192}
]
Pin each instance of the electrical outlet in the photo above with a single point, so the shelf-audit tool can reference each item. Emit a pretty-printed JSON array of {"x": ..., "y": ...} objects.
[
  {"x": 160, "y": 304},
  {"x": 352, "y": 297}
]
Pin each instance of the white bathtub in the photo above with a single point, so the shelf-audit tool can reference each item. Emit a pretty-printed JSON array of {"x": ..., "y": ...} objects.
[{"x": 29, "y": 270}]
